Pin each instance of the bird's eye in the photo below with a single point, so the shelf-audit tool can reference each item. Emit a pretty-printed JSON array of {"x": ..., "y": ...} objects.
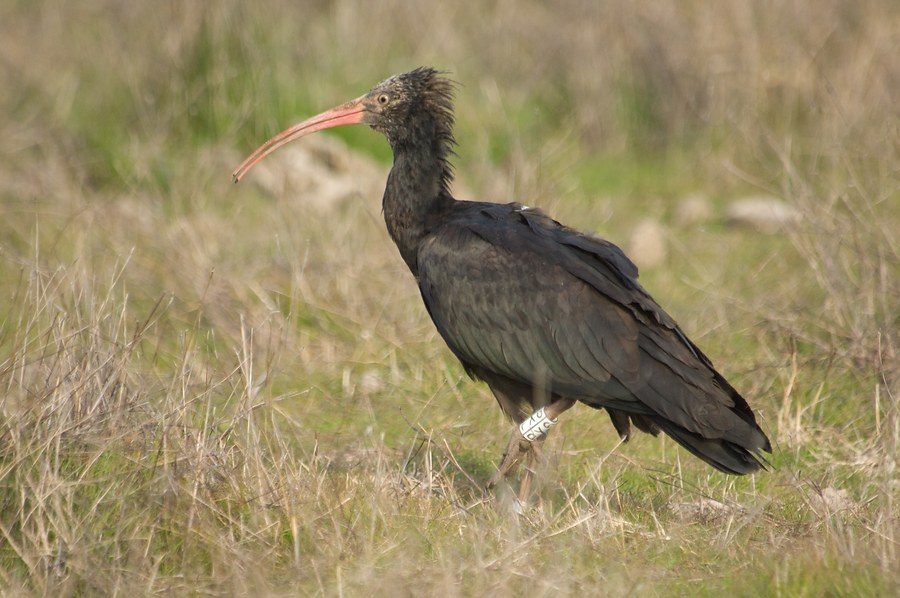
[{"x": 383, "y": 99}]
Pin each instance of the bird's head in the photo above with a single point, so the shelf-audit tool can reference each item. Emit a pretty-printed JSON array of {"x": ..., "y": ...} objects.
[{"x": 413, "y": 105}]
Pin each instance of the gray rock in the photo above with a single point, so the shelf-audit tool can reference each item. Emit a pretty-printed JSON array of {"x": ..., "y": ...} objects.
[
  {"x": 648, "y": 244},
  {"x": 692, "y": 210},
  {"x": 764, "y": 213},
  {"x": 321, "y": 172}
]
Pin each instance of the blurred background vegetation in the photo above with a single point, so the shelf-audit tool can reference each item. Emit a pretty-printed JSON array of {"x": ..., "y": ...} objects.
[{"x": 220, "y": 389}]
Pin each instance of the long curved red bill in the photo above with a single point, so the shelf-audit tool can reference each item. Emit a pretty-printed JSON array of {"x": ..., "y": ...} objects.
[{"x": 350, "y": 113}]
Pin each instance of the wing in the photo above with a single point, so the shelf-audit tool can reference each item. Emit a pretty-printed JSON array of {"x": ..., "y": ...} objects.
[{"x": 516, "y": 294}]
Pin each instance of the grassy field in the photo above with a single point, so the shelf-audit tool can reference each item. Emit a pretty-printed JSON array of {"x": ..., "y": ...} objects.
[{"x": 210, "y": 389}]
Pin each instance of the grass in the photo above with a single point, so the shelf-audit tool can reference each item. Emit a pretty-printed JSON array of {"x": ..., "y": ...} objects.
[{"x": 220, "y": 390}]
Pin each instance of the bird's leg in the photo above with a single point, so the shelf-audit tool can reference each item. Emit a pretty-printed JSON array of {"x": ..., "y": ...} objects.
[
  {"x": 531, "y": 465},
  {"x": 528, "y": 437},
  {"x": 516, "y": 446}
]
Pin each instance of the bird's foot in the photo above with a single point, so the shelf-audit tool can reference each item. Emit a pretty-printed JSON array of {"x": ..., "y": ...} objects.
[
  {"x": 517, "y": 448},
  {"x": 528, "y": 439},
  {"x": 512, "y": 456}
]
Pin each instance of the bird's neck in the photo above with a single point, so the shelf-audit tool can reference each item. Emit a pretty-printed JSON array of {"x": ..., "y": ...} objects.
[{"x": 417, "y": 194}]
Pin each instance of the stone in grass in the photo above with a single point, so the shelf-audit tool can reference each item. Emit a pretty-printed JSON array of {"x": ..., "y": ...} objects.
[
  {"x": 692, "y": 210},
  {"x": 830, "y": 501},
  {"x": 764, "y": 213},
  {"x": 322, "y": 173},
  {"x": 648, "y": 245},
  {"x": 371, "y": 382},
  {"x": 703, "y": 509}
]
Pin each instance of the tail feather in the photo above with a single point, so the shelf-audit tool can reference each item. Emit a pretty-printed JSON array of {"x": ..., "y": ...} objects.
[{"x": 724, "y": 455}]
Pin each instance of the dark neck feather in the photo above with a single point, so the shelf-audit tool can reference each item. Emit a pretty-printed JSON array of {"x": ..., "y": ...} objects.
[
  {"x": 427, "y": 126},
  {"x": 418, "y": 187}
]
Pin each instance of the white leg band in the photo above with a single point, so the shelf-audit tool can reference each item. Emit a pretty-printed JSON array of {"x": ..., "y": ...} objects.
[{"x": 537, "y": 425}]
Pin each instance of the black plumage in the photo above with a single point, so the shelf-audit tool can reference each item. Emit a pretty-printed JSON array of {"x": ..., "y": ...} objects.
[{"x": 544, "y": 314}]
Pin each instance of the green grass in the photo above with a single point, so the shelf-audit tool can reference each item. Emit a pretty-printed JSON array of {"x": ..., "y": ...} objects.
[{"x": 231, "y": 390}]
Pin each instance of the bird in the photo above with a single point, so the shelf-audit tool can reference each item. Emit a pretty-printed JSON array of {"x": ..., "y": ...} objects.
[{"x": 544, "y": 314}]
